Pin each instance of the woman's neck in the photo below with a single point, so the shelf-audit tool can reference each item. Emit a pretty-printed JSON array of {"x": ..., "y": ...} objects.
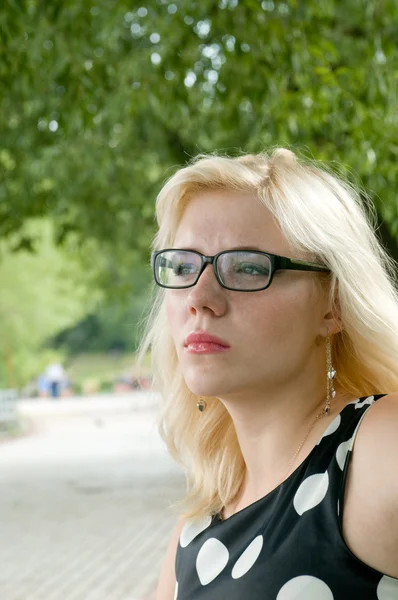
[{"x": 267, "y": 453}]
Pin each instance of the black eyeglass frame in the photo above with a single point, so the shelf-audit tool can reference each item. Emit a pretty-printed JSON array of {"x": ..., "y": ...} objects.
[{"x": 277, "y": 263}]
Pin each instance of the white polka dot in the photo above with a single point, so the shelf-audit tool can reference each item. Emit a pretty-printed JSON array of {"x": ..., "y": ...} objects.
[
  {"x": 305, "y": 587},
  {"x": 211, "y": 560},
  {"x": 176, "y": 591},
  {"x": 193, "y": 528},
  {"x": 368, "y": 400},
  {"x": 248, "y": 557},
  {"x": 387, "y": 588},
  {"x": 333, "y": 426},
  {"x": 311, "y": 492},
  {"x": 342, "y": 451}
]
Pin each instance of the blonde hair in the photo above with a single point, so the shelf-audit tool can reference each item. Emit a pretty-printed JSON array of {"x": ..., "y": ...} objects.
[{"x": 318, "y": 213}]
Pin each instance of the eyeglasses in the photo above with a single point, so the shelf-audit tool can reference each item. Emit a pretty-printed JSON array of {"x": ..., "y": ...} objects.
[{"x": 236, "y": 270}]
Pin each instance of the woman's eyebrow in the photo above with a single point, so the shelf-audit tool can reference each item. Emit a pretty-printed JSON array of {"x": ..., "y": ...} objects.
[{"x": 245, "y": 247}]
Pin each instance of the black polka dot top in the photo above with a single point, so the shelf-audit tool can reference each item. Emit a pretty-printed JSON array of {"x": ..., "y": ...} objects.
[{"x": 288, "y": 545}]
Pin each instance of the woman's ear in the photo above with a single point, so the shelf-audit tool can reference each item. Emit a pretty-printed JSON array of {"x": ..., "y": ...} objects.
[
  {"x": 332, "y": 320},
  {"x": 332, "y": 325}
]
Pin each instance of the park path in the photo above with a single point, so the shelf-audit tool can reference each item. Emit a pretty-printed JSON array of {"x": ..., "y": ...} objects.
[{"x": 83, "y": 502}]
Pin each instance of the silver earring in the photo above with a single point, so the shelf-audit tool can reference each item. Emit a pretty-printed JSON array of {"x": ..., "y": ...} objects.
[
  {"x": 331, "y": 374},
  {"x": 201, "y": 404}
]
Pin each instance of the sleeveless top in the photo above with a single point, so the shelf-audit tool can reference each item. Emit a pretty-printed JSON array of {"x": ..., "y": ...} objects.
[{"x": 288, "y": 545}]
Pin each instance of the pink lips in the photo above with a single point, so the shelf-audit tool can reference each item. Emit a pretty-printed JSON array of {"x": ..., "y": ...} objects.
[
  {"x": 204, "y": 343},
  {"x": 201, "y": 337}
]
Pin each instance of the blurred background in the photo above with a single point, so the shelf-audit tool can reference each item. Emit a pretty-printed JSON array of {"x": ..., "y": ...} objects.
[{"x": 100, "y": 103}]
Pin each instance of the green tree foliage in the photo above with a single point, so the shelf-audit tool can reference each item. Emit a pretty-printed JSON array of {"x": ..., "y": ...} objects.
[
  {"x": 41, "y": 293},
  {"x": 101, "y": 100},
  {"x": 112, "y": 327}
]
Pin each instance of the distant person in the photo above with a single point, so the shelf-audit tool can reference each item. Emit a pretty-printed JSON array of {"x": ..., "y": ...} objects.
[
  {"x": 66, "y": 387},
  {"x": 56, "y": 375},
  {"x": 43, "y": 386}
]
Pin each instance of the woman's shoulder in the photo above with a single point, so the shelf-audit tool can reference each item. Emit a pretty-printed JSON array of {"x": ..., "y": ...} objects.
[
  {"x": 371, "y": 502},
  {"x": 375, "y": 449},
  {"x": 377, "y": 434}
]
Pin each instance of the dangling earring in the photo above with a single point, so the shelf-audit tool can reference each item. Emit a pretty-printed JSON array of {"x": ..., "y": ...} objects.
[
  {"x": 331, "y": 374},
  {"x": 201, "y": 404}
]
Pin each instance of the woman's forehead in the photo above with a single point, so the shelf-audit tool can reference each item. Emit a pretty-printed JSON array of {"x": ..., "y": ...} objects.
[
  {"x": 225, "y": 209},
  {"x": 219, "y": 199},
  {"x": 229, "y": 219}
]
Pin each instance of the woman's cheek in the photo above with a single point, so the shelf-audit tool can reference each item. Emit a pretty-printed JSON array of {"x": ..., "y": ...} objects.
[
  {"x": 170, "y": 310},
  {"x": 173, "y": 315}
]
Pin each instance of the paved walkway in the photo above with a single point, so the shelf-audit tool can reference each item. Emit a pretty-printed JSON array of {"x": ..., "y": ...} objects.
[{"x": 83, "y": 501}]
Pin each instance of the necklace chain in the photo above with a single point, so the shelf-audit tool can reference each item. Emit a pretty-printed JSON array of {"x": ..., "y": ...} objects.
[
  {"x": 324, "y": 412},
  {"x": 291, "y": 462}
]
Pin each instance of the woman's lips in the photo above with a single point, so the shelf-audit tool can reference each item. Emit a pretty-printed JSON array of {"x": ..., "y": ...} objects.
[
  {"x": 205, "y": 348},
  {"x": 204, "y": 337}
]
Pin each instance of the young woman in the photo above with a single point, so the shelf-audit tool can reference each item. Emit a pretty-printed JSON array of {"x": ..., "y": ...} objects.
[{"x": 274, "y": 339}]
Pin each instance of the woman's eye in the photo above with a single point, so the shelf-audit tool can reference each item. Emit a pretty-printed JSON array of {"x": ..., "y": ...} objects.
[
  {"x": 183, "y": 269},
  {"x": 252, "y": 269}
]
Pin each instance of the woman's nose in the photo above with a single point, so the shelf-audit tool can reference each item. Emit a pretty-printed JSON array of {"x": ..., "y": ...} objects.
[
  {"x": 205, "y": 276},
  {"x": 207, "y": 292}
]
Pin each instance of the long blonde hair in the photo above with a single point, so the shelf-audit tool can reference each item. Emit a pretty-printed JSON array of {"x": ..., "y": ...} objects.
[{"x": 318, "y": 213}]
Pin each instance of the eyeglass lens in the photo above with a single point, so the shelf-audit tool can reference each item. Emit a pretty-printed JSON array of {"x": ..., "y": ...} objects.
[{"x": 240, "y": 270}]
